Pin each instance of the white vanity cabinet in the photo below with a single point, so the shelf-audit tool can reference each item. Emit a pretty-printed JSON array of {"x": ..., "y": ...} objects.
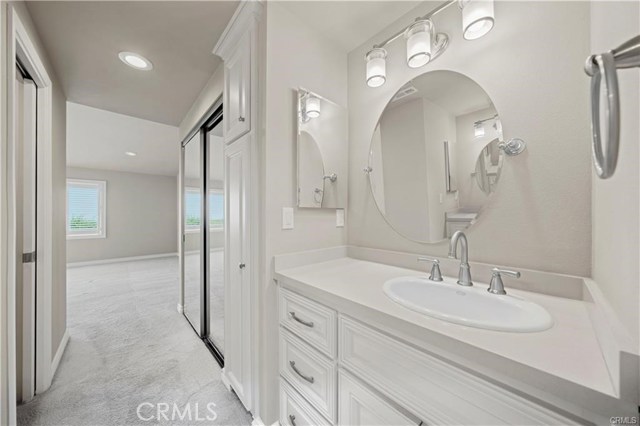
[
  {"x": 313, "y": 389},
  {"x": 337, "y": 370}
]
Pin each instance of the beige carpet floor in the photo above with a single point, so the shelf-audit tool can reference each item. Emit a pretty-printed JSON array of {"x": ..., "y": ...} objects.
[{"x": 131, "y": 352}]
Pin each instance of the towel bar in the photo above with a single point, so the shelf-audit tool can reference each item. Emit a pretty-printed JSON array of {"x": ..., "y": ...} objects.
[{"x": 604, "y": 66}]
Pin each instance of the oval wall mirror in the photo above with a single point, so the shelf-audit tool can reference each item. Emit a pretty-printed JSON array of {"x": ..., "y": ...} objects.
[{"x": 434, "y": 159}]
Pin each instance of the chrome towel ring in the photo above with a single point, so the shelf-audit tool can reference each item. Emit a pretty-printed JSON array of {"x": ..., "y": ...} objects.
[{"x": 603, "y": 66}]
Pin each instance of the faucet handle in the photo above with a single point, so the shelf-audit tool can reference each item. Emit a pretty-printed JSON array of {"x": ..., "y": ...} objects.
[
  {"x": 435, "y": 275},
  {"x": 497, "y": 286}
]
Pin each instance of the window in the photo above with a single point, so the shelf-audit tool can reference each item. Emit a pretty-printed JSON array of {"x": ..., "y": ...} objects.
[
  {"x": 192, "y": 210},
  {"x": 86, "y": 208},
  {"x": 216, "y": 209}
]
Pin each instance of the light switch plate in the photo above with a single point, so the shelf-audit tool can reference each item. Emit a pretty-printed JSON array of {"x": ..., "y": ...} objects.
[
  {"x": 287, "y": 218},
  {"x": 339, "y": 218}
]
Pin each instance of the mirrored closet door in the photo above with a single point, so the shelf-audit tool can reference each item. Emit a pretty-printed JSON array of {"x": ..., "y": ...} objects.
[
  {"x": 204, "y": 230},
  {"x": 193, "y": 242}
]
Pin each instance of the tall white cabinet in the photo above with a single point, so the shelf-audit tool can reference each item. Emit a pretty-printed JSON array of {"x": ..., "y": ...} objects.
[{"x": 238, "y": 49}]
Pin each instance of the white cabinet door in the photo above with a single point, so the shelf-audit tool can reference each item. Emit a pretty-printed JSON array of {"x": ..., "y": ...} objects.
[
  {"x": 237, "y": 369},
  {"x": 237, "y": 91},
  {"x": 358, "y": 406}
]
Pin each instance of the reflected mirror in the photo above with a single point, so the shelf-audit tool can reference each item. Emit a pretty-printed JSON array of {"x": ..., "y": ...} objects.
[
  {"x": 322, "y": 152},
  {"x": 435, "y": 158}
]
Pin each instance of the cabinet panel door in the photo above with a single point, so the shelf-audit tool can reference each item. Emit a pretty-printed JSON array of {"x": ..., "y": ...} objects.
[
  {"x": 297, "y": 411},
  {"x": 238, "y": 266},
  {"x": 358, "y": 406},
  {"x": 237, "y": 89}
]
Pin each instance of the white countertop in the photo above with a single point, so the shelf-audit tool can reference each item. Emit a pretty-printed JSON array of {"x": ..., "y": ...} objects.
[{"x": 569, "y": 350}]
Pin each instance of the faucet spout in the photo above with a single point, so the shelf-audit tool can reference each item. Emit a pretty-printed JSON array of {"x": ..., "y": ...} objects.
[{"x": 464, "y": 276}]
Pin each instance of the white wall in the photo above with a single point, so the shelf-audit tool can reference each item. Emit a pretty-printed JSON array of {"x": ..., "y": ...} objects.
[
  {"x": 616, "y": 201},
  {"x": 403, "y": 168},
  {"x": 539, "y": 217},
  {"x": 295, "y": 56},
  {"x": 205, "y": 100},
  {"x": 141, "y": 216}
]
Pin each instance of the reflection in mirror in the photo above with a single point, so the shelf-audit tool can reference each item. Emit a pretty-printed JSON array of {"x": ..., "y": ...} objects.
[
  {"x": 193, "y": 241},
  {"x": 322, "y": 152},
  {"x": 215, "y": 186},
  {"x": 434, "y": 157},
  {"x": 311, "y": 175},
  {"x": 488, "y": 167}
]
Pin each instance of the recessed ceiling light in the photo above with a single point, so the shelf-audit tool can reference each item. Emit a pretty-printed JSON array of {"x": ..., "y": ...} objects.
[
  {"x": 136, "y": 61},
  {"x": 130, "y": 153}
]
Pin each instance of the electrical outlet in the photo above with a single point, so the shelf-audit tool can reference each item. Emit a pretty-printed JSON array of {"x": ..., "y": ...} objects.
[
  {"x": 339, "y": 218},
  {"x": 287, "y": 218}
]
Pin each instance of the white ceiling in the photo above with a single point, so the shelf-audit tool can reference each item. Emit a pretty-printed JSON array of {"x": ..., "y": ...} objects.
[
  {"x": 349, "y": 23},
  {"x": 83, "y": 38},
  {"x": 98, "y": 139}
]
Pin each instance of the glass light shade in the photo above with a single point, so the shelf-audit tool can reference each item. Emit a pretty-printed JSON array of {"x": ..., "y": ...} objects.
[
  {"x": 477, "y": 18},
  {"x": 312, "y": 107},
  {"x": 376, "y": 67},
  {"x": 418, "y": 37}
]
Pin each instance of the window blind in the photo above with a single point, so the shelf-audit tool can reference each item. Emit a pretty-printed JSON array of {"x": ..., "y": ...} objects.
[{"x": 84, "y": 208}]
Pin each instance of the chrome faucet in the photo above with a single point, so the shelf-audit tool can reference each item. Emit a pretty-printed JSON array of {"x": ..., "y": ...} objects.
[{"x": 464, "y": 276}]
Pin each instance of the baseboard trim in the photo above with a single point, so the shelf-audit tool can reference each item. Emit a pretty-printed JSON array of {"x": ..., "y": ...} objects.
[
  {"x": 56, "y": 359},
  {"x": 212, "y": 250},
  {"x": 225, "y": 380},
  {"x": 257, "y": 421},
  {"x": 119, "y": 259}
]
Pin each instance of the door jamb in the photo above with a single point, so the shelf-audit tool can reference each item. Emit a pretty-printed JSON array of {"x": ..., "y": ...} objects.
[{"x": 19, "y": 45}]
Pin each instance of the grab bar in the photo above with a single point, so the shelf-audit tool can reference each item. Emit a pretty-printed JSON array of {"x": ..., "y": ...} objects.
[{"x": 604, "y": 65}]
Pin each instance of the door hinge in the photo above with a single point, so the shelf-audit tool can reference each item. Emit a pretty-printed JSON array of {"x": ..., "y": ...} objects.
[{"x": 29, "y": 257}]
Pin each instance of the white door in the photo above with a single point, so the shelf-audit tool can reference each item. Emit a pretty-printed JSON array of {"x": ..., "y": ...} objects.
[
  {"x": 237, "y": 359},
  {"x": 359, "y": 406},
  {"x": 25, "y": 236},
  {"x": 237, "y": 81}
]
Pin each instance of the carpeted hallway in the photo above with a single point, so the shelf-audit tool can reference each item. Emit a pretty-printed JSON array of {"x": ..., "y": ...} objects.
[{"x": 129, "y": 346}]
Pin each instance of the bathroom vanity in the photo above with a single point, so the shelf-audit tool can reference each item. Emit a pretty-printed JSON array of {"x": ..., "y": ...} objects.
[{"x": 351, "y": 355}]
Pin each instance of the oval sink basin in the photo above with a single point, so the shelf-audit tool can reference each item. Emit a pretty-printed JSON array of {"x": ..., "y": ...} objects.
[{"x": 470, "y": 306}]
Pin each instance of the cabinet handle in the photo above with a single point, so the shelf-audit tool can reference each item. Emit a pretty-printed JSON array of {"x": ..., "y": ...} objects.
[
  {"x": 241, "y": 119},
  {"x": 292, "y": 419},
  {"x": 301, "y": 321},
  {"x": 241, "y": 265},
  {"x": 309, "y": 379}
]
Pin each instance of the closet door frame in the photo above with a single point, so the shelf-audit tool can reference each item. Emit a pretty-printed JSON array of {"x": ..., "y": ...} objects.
[
  {"x": 211, "y": 119},
  {"x": 214, "y": 120}
]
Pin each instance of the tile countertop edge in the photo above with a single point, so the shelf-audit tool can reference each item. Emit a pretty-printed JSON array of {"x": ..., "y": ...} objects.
[{"x": 549, "y": 390}]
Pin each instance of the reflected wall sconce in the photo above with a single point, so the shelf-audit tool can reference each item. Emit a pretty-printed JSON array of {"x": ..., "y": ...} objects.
[
  {"x": 312, "y": 106},
  {"x": 424, "y": 44},
  {"x": 477, "y": 18},
  {"x": 376, "y": 67}
]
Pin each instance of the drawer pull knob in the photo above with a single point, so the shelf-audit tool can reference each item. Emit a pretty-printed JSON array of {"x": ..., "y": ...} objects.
[
  {"x": 301, "y": 321},
  {"x": 292, "y": 419},
  {"x": 309, "y": 379},
  {"x": 241, "y": 119}
]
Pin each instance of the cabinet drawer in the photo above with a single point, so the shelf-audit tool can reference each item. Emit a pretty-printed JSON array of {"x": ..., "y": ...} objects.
[
  {"x": 295, "y": 410},
  {"x": 309, "y": 372},
  {"x": 311, "y": 321},
  {"x": 359, "y": 406},
  {"x": 433, "y": 390}
]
